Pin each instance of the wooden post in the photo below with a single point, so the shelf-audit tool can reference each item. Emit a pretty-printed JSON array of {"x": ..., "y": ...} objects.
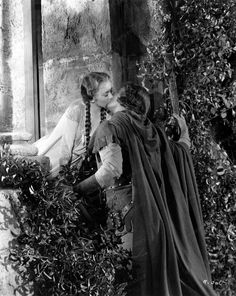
[
  {"x": 38, "y": 56},
  {"x": 33, "y": 67}
]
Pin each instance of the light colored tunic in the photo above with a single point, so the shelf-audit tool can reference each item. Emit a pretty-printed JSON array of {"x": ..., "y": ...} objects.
[{"x": 67, "y": 141}]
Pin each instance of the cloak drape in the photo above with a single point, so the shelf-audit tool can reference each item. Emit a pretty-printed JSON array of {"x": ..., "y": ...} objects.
[{"x": 169, "y": 252}]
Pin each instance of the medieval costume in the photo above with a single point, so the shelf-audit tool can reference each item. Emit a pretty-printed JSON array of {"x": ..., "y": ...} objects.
[
  {"x": 69, "y": 140},
  {"x": 66, "y": 141},
  {"x": 168, "y": 247}
]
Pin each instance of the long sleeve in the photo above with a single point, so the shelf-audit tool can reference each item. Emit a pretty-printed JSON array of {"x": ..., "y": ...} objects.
[
  {"x": 72, "y": 132},
  {"x": 59, "y": 145},
  {"x": 111, "y": 165}
]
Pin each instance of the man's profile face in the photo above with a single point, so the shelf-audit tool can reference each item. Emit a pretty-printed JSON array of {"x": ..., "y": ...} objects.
[{"x": 113, "y": 106}]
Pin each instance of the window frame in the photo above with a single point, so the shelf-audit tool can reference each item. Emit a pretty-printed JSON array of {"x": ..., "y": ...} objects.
[{"x": 33, "y": 63}]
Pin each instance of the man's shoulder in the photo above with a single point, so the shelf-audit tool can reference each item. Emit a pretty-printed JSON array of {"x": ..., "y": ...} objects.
[
  {"x": 118, "y": 117},
  {"x": 104, "y": 126}
]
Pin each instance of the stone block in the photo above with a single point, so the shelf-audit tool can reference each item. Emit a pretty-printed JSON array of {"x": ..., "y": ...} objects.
[
  {"x": 10, "y": 278},
  {"x": 24, "y": 150},
  {"x": 15, "y": 137}
]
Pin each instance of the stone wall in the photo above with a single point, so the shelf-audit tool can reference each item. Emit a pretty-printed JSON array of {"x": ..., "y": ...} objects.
[
  {"x": 76, "y": 39},
  {"x": 88, "y": 35},
  {"x": 11, "y": 282},
  {"x": 12, "y": 83}
]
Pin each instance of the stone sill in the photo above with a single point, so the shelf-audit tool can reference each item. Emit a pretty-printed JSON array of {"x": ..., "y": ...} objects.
[{"x": 16, "y": 137}]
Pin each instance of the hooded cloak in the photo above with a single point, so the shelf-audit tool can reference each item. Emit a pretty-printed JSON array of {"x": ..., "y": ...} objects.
[{"x": 169, "y": 251}]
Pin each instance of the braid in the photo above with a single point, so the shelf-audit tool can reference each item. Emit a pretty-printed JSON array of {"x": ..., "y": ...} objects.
[
  {"x": 103, "y": 114},
  {"x": 87, "y": 124},
  {"x": 89, "y": 86}
]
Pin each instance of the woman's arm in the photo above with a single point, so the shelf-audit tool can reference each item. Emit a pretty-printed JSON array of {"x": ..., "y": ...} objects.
[{"x": 73, "y": 117}]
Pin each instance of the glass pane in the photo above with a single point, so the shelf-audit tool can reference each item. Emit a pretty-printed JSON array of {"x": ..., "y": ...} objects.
[{"x": 75, "y": 40}]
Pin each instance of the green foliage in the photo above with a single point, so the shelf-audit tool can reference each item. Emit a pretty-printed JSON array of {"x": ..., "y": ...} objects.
[
  {"x": 62, "y": 251},
  {"x": 15, "y": 172},
  {"x": 216, "y": 177},
  {"x": 201, "y": 37}
]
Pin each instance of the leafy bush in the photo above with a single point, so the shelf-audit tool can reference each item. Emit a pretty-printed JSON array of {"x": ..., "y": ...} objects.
[
  {"x": 201, "y": 38},
  {"x": 18, "y": 172},
  {"x": 62, "y": 249}
]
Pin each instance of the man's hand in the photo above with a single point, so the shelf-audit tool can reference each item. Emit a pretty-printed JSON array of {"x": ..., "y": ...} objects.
[
  {"x": 87, "y": 186},
  {"x": 184, "y": 136},
  {"x": 182, "y": 123}
]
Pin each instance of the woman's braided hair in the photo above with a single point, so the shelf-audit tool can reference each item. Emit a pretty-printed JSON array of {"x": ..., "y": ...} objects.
[
  {"x": 89, "y": 86},
  {"x": 87, "y": 123},
  {"x": 103, "y": 114}
]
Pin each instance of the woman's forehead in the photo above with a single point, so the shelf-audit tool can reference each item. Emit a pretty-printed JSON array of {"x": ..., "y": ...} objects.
[{"x": 105, "y": 86}]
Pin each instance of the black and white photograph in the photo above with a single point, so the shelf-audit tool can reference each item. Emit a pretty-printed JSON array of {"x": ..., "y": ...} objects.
[{"x": 117, "y": 148}]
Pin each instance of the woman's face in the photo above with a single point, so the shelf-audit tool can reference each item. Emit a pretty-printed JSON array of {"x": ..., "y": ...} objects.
[{"x": 103, "y": 96}]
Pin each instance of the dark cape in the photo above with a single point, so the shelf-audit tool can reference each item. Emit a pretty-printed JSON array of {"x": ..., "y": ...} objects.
[{"x": 169, "y": 251}]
